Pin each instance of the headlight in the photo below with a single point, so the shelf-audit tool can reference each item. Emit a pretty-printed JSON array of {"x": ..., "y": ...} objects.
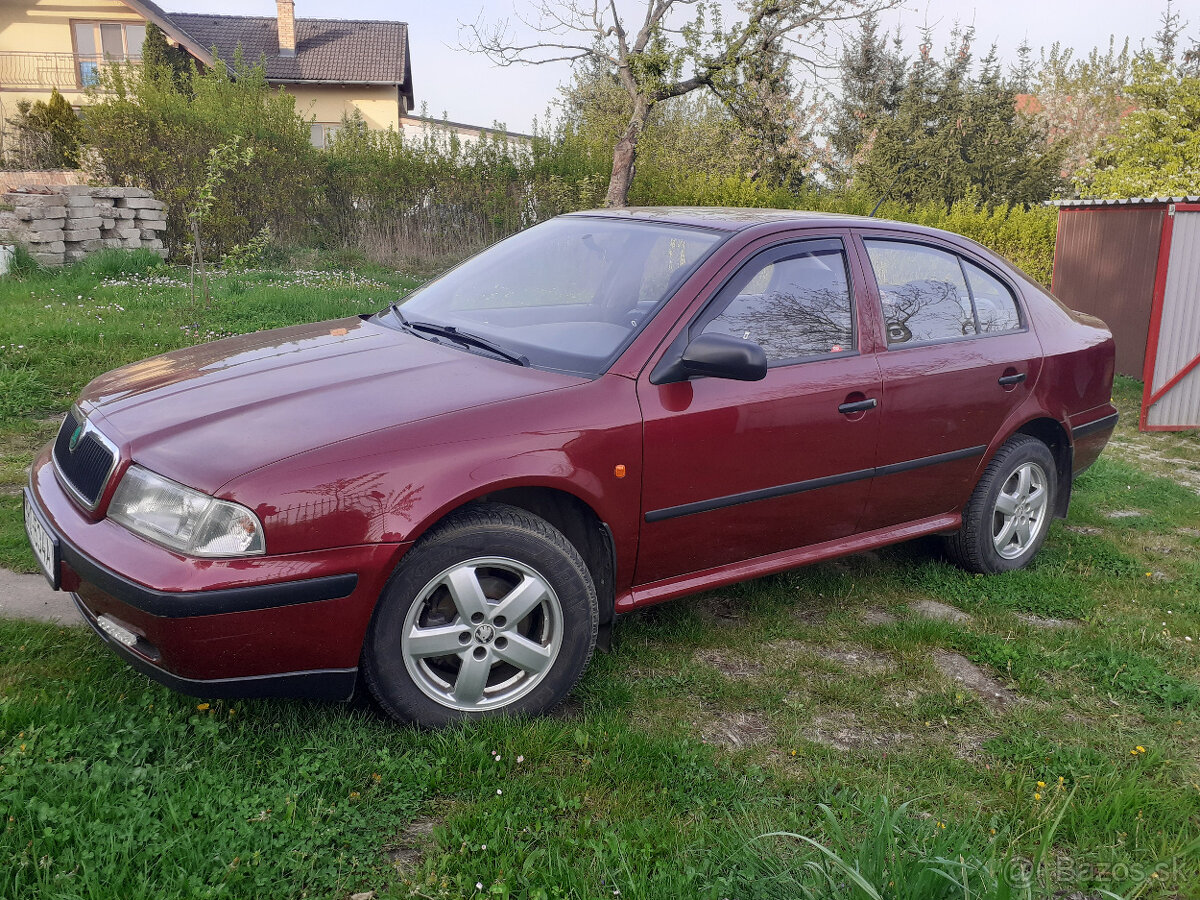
[{"x": 185, "y": 520}]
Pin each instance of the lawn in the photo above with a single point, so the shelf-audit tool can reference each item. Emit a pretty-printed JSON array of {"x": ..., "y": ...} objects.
[{"x": 1049, "y": 715}]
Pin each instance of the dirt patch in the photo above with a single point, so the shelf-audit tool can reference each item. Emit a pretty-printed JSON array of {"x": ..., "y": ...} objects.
[
  {"x": 960, "y": 669},
  {"x": 848, "y": 656},
  {"x": 730, "y": 665},
  {"x": 1083, "y": 529},
  {"x": 1160, "y": 461},
  {"x": 1046, "y": 622},
  {"x": 844, "y": 731},
  {"x": 967, "y": 743},
  {"x": 1124, "y": 514},
  {"x": 733, "y": 731},
  {"x": 408, "y": 847},
  {"x": 720, "y": 609},
  {"x": 877, "y": 617},
  {"x": 942, "y": 612},
  {"x": 569, "y": 710},
  {"x": 810, "y": 615}
]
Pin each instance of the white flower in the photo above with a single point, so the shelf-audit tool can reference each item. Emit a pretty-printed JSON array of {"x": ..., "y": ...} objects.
[
  {"x": 479, "y": 885},
  {"x": 498, "y": 791}
]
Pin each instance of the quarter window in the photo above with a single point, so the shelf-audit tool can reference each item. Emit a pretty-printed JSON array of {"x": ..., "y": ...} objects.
[
  {"x": 995, "y": 306},
  {"x": 794, "y": 304}
]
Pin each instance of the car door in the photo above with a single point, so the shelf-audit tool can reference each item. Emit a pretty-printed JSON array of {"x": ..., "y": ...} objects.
[
  {"x": 960, "y": 359},
  {"x": 735, "y": 470}
]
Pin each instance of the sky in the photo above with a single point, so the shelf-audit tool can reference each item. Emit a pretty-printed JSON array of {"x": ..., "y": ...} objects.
[{"x": 466, "y": 87}]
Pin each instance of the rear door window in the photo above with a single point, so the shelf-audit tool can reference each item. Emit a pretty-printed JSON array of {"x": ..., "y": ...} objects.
[
  {"x": 930, "y": 295},
  {"x": 923, "y": 291}
]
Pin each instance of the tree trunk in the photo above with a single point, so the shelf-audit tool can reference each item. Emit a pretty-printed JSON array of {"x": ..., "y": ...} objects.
[{"x": 624, "y": 159}]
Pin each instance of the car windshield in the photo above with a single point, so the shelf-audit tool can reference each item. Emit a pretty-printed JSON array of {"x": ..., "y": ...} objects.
[{"x": 566, "y": 295}]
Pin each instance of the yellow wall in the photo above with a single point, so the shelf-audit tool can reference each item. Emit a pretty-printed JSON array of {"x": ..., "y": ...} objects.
[
  {"x": 44, "y": 26},
  {"x": 380, "y": 106}
]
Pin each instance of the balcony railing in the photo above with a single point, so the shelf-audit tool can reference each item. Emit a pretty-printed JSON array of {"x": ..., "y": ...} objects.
[{"x": 65, "y": 71}]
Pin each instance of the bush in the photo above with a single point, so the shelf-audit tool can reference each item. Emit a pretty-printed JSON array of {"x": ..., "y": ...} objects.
[
  {"x": 147, "y": 131},
  {"x": 434, "y": 196},
  {"x": 46, "y": 134}
]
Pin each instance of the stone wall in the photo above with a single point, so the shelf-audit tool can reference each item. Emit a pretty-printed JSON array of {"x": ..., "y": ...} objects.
[{"x": 64, "y": 223}]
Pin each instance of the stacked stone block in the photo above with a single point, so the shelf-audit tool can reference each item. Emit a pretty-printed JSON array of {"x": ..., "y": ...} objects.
[{"x": 63, "y": 223}]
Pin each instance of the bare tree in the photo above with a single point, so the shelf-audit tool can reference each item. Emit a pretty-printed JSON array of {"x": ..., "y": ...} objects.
[{"x": 680, "y": 46}]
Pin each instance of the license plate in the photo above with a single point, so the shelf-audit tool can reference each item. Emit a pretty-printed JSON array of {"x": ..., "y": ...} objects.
[{"x": 44, "y": 544}]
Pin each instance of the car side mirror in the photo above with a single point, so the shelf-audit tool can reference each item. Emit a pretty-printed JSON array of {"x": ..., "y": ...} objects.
[{"x": 722, "y": 356}]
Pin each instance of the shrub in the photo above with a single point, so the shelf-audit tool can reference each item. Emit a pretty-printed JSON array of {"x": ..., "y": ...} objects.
[
  {"x": 46, "y": 134},
  {"x": 149, "y": 132},
  {"x": 396, "y": 197}
]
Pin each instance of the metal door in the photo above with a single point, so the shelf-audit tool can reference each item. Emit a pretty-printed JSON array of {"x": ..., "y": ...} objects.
[{"x": 1171, "y": 398}]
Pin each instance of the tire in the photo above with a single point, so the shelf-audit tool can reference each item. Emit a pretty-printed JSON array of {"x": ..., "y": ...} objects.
[
  {"x": 451, "y": 593},
  {"x": 1007, "y": 518}
]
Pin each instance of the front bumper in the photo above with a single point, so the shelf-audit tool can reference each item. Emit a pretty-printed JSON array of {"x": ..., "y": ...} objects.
[{"x": 272, "y": 626}]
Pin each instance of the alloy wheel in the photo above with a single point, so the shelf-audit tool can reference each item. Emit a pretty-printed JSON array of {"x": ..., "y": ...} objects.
[
  {"x": 1020, "y": 511},
  {"x": 482, "y": 634}
]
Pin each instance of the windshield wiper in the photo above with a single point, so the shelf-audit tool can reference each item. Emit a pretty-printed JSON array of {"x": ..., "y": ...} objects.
[{"x": 463, "y": 337}]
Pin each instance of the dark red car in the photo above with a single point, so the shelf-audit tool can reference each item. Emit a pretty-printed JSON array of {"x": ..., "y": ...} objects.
[{"x": 455, "y": 497}]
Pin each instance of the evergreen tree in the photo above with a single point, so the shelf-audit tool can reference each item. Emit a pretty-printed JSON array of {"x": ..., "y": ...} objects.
[
  {"x": 957, "y": 133},
  {"x": 872, "y": 81},
  {"x": 47, "y": 134},
  {"x": 162, "y": 60}
]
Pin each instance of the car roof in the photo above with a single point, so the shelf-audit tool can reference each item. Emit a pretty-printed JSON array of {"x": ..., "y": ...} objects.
[{"x": 731, "y": 219}]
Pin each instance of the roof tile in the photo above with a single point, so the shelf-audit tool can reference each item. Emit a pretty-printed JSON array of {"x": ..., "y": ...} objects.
[{"x": 337, "y": 50}]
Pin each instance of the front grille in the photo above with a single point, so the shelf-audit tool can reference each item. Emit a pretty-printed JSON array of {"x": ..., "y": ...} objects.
[{"x": 87, "y": 468}]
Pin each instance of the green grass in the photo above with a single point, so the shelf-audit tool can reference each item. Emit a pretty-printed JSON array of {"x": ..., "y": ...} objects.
[{"x": 791, "y": 705}]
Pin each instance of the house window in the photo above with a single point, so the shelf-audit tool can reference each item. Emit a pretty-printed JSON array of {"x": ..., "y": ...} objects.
[
  {"x": 100, "y": 42},
  {"x": 322, "y": 134}
]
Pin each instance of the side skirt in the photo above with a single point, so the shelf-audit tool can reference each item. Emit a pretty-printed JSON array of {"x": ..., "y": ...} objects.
[{"x": 680, "y": 585}]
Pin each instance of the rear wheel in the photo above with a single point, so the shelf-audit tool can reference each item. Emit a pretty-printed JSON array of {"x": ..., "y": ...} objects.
[
  {"x": 492, "y": 613},
  {"x": 1006, "y": 520}
]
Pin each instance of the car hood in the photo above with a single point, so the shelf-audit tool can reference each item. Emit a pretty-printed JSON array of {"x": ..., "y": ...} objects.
[{"x": 207, "y": 414}]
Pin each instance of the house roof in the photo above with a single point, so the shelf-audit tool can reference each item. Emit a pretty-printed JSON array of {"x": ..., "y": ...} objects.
[
  {"x": 152, "y": 12},
  {"x": 328, "y": 51}
]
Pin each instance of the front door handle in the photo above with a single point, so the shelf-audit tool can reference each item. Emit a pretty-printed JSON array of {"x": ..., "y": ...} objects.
[
  {"x": 1006, "y": 380},
  {"x": 859, "y": 406}
]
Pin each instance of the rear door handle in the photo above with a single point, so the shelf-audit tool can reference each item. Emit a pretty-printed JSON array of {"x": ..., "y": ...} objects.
[
  {"x": 859, "y": 406},
  {"x": 1011, "y": 379}
]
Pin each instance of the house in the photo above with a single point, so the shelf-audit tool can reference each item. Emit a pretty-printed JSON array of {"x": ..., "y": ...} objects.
[
  {"x": 331, "y": 66},
  {"x": 416, "y": 127}
]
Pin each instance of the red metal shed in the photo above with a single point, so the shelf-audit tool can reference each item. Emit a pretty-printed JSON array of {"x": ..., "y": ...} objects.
[{"x": 1136, "y": 264}]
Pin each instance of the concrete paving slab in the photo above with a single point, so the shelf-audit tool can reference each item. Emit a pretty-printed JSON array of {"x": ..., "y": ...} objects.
[{"x": 29, "y": 597}]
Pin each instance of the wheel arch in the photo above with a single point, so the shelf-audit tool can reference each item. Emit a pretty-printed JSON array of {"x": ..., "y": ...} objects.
[
  {"x": 570, "y": 514},
  {"x": 1058, "y": 440}
]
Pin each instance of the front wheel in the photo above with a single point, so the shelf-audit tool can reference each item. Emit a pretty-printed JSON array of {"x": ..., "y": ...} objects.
[
  {"x": 492, "y": 613},
  {"x": 1006, "y": 520}
]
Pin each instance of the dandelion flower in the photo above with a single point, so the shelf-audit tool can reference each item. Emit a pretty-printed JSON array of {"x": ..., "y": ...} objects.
[
  {"x": 1041, "y": 784},
  {"x": 1037, "y": 796},
  {"x": 202, "y": 706}
]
